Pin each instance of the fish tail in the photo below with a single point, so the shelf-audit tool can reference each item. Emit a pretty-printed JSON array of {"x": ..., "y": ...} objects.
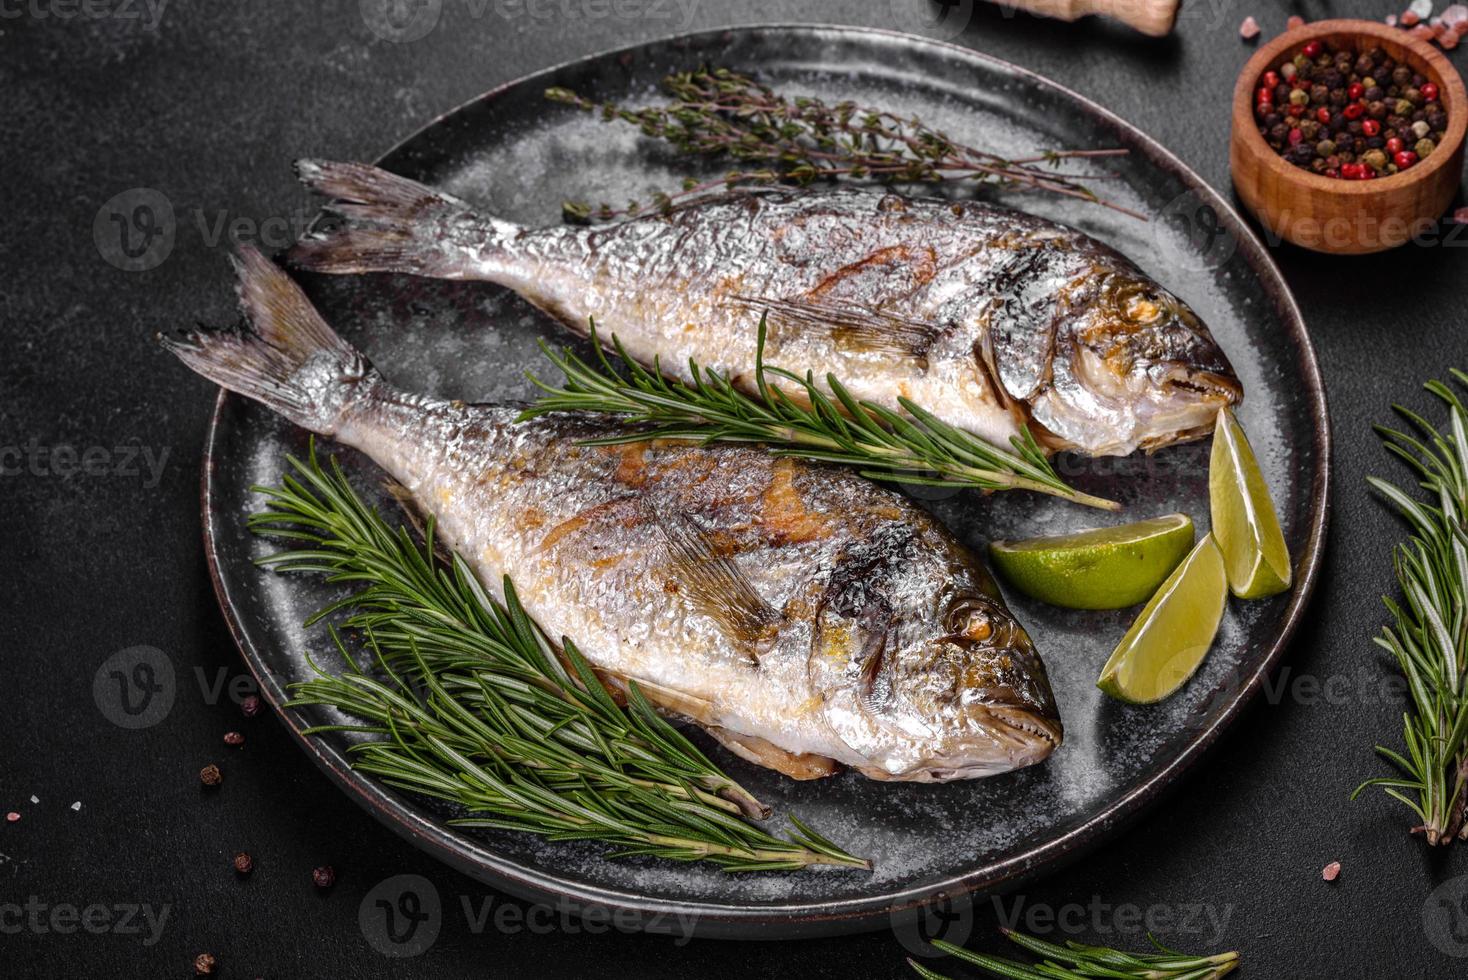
[
  {"x": 287, "y": 358},
  {"x": 392, "y": 224}
]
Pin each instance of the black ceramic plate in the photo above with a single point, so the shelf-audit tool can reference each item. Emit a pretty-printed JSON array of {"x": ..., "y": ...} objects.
[{"x": 518, "y": 156}]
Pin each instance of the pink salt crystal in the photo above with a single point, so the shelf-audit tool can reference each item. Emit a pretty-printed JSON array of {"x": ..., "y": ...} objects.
[
  {"x": 1448, "y": 39},
  {"x": 1409, "y": 19},
  {"x": 1249, "y": 29},
  {"x": 12, "y": 816},
  {"x": 1460, "y": 216},
  {"x": 1294, "y": 22},
  {"x": 1331, "y": 871}
]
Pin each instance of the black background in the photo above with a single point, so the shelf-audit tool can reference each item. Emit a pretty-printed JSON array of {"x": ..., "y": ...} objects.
[{"x": 208, "y": 108}]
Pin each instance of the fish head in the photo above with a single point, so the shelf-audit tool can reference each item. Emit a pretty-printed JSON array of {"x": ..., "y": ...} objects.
[
  {"x": 935, "y": 679},
  {"x": 1132, "y": 366}
]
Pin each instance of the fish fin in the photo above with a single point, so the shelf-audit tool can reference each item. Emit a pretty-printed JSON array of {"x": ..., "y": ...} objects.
[
  {"x": 716, "y": 585},
  {"x": 796, "y": 765},
  {"x": 388, "y": 223},
  {"x": 288, "y": 358},
  {"x": 850, "y": 325}
]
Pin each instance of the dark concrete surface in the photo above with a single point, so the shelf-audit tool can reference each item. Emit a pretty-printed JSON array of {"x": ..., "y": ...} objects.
[{"x": 205, "y": 103}]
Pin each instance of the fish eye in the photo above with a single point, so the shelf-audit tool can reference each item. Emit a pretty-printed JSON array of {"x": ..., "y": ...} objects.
[{"x": 969, "y": 619}]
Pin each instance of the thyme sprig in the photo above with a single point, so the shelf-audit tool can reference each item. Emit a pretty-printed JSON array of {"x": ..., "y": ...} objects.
[
  {"x": 1429, "y": 631},
  {"x": 913, "y": 446},
  {"x": 721, "y": 113},
  {"x": 1077, "y": 961},
  {"x": 466, "y": 700}
]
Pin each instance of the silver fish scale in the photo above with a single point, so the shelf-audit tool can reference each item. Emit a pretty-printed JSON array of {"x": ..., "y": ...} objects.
[{"x": 850, "y": 567}]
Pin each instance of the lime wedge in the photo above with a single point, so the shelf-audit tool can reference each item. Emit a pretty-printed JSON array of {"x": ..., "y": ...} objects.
[
  {"x": 1244, "y": 521},
  {"x": 1171, "y": 636},
  {"x": 1104, "y": 568}
]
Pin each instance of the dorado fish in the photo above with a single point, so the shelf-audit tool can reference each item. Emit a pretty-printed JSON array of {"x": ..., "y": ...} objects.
[
  {"x": 996, "y": 321},
  {"x": 808, "y": 618}
]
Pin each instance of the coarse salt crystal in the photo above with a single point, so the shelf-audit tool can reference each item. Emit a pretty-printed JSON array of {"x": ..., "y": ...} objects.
[
  {"x": 1391, "y": 20},
  {"x": 1249, "y": 29},
  {"x": 1331, "y": 871},
  {"x": 1420, "y": 7},
  {"x": 1295, "y": 21},
  {"x": 1455, "y": 14},
  {"x": 77, "y": 805},
  {"x": 34, "y": 798}
]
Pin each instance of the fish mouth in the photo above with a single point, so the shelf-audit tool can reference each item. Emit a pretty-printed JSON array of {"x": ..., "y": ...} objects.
[
  {"x": 1017, "y": 737},
  {"x": 1206, "y": 385},
  {"x": 1024, "y": 725}
]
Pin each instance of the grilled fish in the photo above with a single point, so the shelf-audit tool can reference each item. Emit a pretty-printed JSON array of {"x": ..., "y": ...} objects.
[
  {"x": 994, "y": 320},
  {"x": 807, "y": 617}
]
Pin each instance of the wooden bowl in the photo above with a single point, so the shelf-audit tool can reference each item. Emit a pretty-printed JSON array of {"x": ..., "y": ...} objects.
[{"x": 1335, "y": 215}]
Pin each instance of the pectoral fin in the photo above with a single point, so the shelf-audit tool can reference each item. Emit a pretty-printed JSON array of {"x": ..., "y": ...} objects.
[
  {"x": 716, "y": 586},
  {"x": 849, "y": 325}
]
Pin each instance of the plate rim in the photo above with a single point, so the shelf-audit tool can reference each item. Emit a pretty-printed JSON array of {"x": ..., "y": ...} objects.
[{"x": 483, "y": 863}]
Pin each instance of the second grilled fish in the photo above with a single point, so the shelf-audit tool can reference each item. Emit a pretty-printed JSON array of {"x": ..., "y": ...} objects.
[
  {"x": 807, "y": 617},
  {"x": 993, "y": 320}
]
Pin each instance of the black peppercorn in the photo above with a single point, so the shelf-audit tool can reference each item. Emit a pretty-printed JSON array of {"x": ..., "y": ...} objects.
[
  {"x": 323, "y": 877},
  {"x": 1402, "y": 75}
]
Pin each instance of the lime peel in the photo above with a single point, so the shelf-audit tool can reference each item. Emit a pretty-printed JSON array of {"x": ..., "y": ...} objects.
[
  {"x": 1173, "y": 633},
  {"x": 1244, "y": 520}
]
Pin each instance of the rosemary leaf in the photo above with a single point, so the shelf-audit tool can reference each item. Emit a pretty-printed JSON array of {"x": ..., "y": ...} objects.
[
  {"x": 915, "y": 447},
  {"x": 1428, "y": 637},
  {"x": 464, "y": 699}
]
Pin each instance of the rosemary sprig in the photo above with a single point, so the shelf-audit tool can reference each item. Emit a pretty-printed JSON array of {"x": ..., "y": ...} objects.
[
  {"x": 915, "y": 447},
  {"x": 721, "y": 113},
  {"x": 1076, "y": 961},
  {"x": 469, "y": 702},
  {"x": 1429, "y": 635}
]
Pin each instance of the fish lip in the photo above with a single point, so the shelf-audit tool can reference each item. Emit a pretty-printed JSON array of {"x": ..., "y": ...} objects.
[
  {"x": 1029, "y": 723},
  {"x": 1205, "y": 383}
]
